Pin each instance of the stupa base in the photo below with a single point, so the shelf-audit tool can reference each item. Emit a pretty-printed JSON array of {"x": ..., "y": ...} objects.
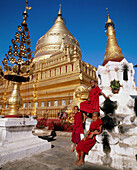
[
  {"x": 17, "y": 140},
  {"x": 121, "y": 157}
]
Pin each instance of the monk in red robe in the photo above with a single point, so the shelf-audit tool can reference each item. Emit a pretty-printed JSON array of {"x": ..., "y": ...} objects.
[
  {"x": 78, "y": 128},
  {"x": 92, "y": 104},
  {"x": 89, "y": 140}
]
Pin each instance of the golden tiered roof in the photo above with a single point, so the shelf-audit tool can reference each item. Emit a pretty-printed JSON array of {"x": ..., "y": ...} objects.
[
  {"x": 113, "y": 51},
  {"x": 51, "y": 42}
]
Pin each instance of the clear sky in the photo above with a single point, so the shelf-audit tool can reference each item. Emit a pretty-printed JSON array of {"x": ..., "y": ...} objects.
[{"x": 85, "y": 19}]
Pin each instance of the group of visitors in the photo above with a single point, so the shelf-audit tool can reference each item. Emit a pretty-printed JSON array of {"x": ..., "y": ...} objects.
[{"x": 90, "y": 109}]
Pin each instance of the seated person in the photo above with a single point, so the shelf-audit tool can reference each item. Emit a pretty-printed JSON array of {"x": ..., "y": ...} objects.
[
  {"x": 89, "y": 140},
  {"x": 92, "y": 104}
]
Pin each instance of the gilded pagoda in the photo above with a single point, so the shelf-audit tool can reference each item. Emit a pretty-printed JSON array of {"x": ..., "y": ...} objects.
[{"x": 59, "y": 70}]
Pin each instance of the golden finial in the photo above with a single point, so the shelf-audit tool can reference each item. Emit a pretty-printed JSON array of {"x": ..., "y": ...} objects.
[
  {"x": 109, "y": 20},
  {"x": 25, "y": 14},
  {"x": 59, "y": 17},
  {"x": 29, "y": 8},
  {"x": 60, "y": 13},
  {"x": 107, "y": 13}
]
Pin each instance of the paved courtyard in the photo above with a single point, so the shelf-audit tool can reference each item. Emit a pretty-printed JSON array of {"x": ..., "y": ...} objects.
[{"x": 58, "y": 157}]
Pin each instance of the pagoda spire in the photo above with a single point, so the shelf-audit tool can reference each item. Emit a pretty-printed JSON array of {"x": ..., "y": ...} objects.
[
  {"x": 59, "y": 18},
  {"x": 113, "y": 51},
  {"x": 60, "y": 13}
]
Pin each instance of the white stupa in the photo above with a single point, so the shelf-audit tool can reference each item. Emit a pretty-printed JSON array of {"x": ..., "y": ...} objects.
[
  {"x": 115, "y": 66},
  {"x": 123, "y": 138}
]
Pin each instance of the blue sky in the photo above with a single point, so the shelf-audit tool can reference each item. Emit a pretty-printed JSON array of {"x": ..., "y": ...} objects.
[{"x": 85, "y": 19}]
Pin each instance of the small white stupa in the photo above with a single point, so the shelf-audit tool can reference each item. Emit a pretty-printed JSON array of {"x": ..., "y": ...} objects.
[
  {"x": 115, "y": 66},
  {"x": 121, "y": 142}
]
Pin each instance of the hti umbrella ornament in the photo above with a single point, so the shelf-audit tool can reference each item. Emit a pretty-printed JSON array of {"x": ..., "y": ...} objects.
[{"x": 18, "y": 64}]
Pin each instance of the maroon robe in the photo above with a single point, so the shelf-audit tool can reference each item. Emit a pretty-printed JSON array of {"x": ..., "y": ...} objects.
[
  {"x": 92, "y": 105},
  {"x": 86, "y": 145},
  {"x": 78, "y": 128}
]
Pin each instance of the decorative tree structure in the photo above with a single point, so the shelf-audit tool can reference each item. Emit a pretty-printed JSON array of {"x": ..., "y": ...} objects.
[
  {"x": 18, "y": 64},
  {"x": 16, "y": 138}
]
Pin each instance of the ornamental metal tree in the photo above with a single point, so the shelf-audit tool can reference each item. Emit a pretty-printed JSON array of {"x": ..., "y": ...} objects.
[{"x": 18, "y": 63}]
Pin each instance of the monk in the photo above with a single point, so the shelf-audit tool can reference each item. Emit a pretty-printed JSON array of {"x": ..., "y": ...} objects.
[
  {"x": 89, "y": 140},
  {"x": 92, "y": 104},
  {"x": 78, "y": 128}
]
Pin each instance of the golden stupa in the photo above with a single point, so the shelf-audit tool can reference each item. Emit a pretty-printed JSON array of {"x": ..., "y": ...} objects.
[
  {"x": 113, "y": 51},
  {"x": 57, "y": 38},
  {"x": 59, "y": 70}
]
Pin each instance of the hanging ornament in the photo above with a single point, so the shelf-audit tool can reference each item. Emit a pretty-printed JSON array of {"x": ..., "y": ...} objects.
[
  {"x": 28, "y": 42},
  {"x": 16, "y": 35},
  {"x": 22, "y": 47},
  {"x": 15, "y": 47},
  {"x": 17, "y": 40},
  {"x": 13, "y": 41},
  {"x": 19, "y": 61},
  {"x": 12, "y": 60},
  {"x": 28, "y": 50},
  {"x": 23, "y": 40},
  {"x": 29, "y": 56},
  {"x": 23, "y": 54},
  {"x": 5, "y": 61},
  {"x": 22, "y": 34},
  {"x": 28, "y": 36},
  {"x": 27, "y": 63},
  {"x": 10, "y": 48},
  {"x": 15, "y": 53},
  {"x": 19, "y": 28},
  {"x": 25, "y": 29},
  {"x": 10, "y": 53}
]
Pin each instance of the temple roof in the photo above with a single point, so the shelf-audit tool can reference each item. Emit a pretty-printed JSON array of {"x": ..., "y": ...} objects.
[
  {"x": 51, "y": 42},
  {"x": 113, "y": 51}
]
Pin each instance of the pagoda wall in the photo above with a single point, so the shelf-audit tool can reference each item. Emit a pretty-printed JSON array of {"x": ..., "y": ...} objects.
[{"x": 51, "y": 87}]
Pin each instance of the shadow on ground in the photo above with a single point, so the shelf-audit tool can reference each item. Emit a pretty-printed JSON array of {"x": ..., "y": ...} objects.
[{"x": 58, "y": 157}]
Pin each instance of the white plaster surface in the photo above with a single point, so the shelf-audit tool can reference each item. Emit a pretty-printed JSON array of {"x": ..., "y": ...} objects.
[
  {"x": 123, "y": 152},
  {"x": 17, "y": 140},
  {"x": 122, "y": 157},
  {"x": 114, "y": 70}
]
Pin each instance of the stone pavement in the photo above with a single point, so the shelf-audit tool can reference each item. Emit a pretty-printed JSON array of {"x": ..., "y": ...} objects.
[{"x": 58, "y": 157}]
